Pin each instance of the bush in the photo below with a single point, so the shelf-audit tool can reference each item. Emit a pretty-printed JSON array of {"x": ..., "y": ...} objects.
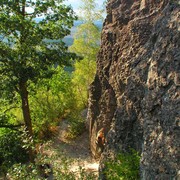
[
  {"x": 82, "y": 77},
  {"x": 76, "y": 125},
  {"x": 52, "y": 102},
  {"x": 24, "y": 172},
  {"x": 60, "y": 170},
  {"x": 11, "y": 150},
  {"x": 125, "y": 167}
]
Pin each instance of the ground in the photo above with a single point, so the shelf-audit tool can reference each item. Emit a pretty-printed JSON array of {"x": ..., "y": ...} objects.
[{"x": 76, "y": 150}]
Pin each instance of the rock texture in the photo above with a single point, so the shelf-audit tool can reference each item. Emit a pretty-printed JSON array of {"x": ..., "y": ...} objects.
[{"x": 135, "y": 95}]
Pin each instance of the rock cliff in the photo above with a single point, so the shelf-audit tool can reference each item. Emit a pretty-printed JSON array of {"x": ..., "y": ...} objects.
[{"x": 135, "y": 95}]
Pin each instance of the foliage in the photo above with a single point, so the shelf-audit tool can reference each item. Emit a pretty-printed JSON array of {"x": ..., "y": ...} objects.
[
  {"x": 90, "y": 11},
  {"x": 60, "y": 172},
  {"x": 11, "y": 150},
  {"x": 76, "y": 125},
  {"x": 53, "y": 101},
  {"x": 33, "y": 59},
  {"x": 86, "y": 40},
  {"x": 82, "y": 78},
  {"x": 10, "y": 116},
  {"x": 24, "y": 172},
  {"x": 86, "y": 44},
  {"x": 25, "y": 53},
  {"x": 126, "y": 166}
]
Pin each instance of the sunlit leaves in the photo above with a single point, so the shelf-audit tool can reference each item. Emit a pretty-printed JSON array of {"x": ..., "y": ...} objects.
[
  {"x": 25, "y": 50},
  {"x": 90, "y": 11},
  {"x": 86, "y": 44}
]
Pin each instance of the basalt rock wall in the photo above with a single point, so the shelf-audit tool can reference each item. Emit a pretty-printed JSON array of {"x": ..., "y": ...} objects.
[{"x": 135, "y": 95}]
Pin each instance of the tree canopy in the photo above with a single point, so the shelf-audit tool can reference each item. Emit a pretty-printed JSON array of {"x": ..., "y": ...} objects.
[
  {"x": 89, "y": 11},
  {"x": 86, "y": 44},
  {"x": 26, "y": 54}
]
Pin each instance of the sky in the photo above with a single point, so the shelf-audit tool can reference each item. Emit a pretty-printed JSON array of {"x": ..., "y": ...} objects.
[{"x": 76, "y": 4}]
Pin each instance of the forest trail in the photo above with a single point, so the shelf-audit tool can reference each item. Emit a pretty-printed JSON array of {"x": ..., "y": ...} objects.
[{"x": 77, "y": 151}]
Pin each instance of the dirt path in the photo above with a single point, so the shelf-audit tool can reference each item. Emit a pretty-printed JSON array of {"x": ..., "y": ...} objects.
[{"x": 77, "y": 150}]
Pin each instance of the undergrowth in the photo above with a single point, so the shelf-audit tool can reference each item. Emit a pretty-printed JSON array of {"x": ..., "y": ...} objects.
[
  {"x": 124, "y": 167},
  {"x": 59, "y": 170}
]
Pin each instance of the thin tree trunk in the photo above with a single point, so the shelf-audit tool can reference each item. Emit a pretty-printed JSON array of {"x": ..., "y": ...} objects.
[
  {"x": 25, "y": 107},
  {"x": 26, "y": 114},
  {"x": 24, "y": 92}
]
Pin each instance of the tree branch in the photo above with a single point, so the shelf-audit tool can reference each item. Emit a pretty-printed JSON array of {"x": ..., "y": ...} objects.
[
  {"x": 10, "y": 126},
  {"x": 10, "y": 109}
]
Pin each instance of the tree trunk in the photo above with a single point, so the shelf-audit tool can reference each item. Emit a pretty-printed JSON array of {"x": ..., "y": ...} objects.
[
  {"x": 25, "y": 107},
  {"x": 26, "y": 114}
]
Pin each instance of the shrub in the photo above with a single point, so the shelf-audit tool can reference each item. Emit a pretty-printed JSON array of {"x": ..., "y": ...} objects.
[
  {"x": 23, "y": 171},
  {"x": 52, "y": 102},
  {"x": 60, "y": 169},
  {"x": 126, "y": 166},
  {"x": 76, "y": 125},
  {"x": 11, "y": 150},
  {"x": 82, "y": 77}
]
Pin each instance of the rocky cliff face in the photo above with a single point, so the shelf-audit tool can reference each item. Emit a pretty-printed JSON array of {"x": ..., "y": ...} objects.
[{"x": 136, "y": 92}]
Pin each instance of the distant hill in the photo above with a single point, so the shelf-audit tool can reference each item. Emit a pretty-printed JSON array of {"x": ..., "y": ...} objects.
[{"x": 69, "y": 39}]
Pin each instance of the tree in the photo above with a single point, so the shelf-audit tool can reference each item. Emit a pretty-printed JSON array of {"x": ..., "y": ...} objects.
[
  {"x": 25, "y": 50},
  {"x": 86, "y": 41},
  {"x": 89, "y": 11},
  {"x": 82, "y": 77},
  {"x": 53, "y": 102},
  {"x": 86, "y": 44}
]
